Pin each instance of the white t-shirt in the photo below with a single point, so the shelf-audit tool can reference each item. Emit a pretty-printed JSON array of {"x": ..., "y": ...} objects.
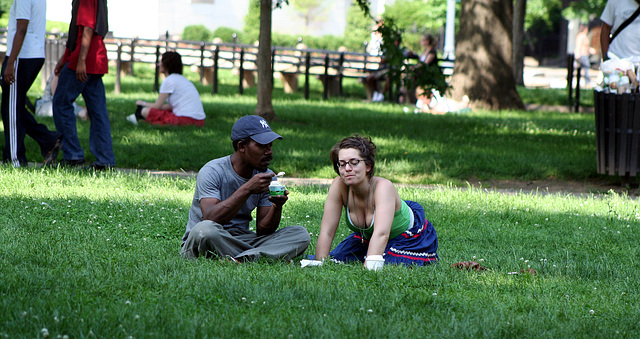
[
  {"x": 183, "y": 96},
  {"x": 627, "y": 43},
  {"x": 36, "y": 12}
]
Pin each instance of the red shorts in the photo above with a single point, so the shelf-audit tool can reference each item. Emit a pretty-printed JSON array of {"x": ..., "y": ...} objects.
[{"x": 160, "y": 117}]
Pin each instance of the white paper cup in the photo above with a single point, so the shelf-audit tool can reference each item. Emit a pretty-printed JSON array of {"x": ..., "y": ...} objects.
[{"x": 374, "y": 262}]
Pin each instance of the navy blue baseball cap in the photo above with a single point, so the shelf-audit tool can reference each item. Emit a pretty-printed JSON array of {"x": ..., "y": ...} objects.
[{"x": 254, "y": 127}]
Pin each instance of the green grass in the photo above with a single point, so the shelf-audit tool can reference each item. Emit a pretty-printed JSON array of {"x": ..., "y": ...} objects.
[
  {"x": 413, "y": 148},
  {"x": 86, "y": 254}
]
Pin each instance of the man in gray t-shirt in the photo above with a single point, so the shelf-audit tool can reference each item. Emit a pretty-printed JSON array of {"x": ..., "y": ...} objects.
[{"x": 228, "y": 189}]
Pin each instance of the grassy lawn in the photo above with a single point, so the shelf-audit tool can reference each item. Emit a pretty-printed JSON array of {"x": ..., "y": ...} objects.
[
  {"x": 96, "y": 255},
  {"x": 86, "y": 254}
]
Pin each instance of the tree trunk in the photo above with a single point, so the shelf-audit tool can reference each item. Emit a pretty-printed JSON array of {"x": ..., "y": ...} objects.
[
  {"x": 264, "y": 108},
  {"x": 519, "y": 11},
  {"x": 483, "y": 69}
]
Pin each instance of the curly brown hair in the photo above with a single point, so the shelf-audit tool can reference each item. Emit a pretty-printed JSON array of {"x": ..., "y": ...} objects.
[{"x": 364, "y": 145}]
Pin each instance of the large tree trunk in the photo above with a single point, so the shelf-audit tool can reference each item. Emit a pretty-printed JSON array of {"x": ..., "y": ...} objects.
[
  {"x": 483, "y": 69},
  {"x": 264, "y": 108},
  {"x": 519, "y": 12}
]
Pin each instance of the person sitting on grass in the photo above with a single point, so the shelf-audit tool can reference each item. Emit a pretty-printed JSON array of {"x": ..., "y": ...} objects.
[
  {"x": 384, "y": 226},
  {"x": 178, "y": 102},
  {"x": 228, "y": 189}
]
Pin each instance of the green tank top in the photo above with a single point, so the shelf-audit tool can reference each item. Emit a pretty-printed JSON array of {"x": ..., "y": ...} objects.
[{"x": 402, "y": 219}]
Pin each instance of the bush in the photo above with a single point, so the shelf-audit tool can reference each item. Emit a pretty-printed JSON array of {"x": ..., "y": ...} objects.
[
  {"x": 328, "y": 42},
  {"x": 226, "y": 34},
  {"x": 57, "y": 26},
  {"x": 196, "y": 33},
  {"x": 284, "y": 40}
]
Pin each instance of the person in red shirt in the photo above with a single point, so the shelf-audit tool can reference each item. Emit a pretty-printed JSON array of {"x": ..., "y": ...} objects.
[{"x": 80, "y": 71}]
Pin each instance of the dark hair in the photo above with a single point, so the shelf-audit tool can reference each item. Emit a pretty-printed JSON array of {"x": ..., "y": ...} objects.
[
  {"x": 172, "y": 62},
  {"x": 429, "y": 38},
  {"x": 245, "y": 140},
  {"x": 364, "y": 145}
]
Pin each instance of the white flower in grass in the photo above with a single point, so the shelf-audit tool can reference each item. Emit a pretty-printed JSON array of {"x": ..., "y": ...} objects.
[
  {"x": 370, "y": 310},
  {"x": 243, "y": 299},
  {"x": 24, "y": 314},
  {"x": 45, "y": 332},
  {"x": 127, "y": 302},
  {"x": 592, "y": 312},
  {"x": 435, "y": 294}
]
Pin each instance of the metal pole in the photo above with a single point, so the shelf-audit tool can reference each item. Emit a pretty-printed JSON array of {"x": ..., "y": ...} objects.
[
  {"x": 201, "y": 62},
  {"x": 133, "y": 48},
  {"x": 273, "y": 63},
  {"x": 156, "y": 84},
  {"x": 116, "y": 90},
  {"x": 325, "y": 93},
  {"x": 577, "y": 102},
  {"x": 306, "y": 75},
  {"x": 340, "y": 73},
  {"x": 240, "y": 88},
  {"x": 570, "y": 60},
  {"x": 216, "y": 55}
]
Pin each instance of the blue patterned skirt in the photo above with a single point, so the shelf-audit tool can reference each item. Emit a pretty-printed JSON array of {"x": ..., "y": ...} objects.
[{"x": 416, "y": 246}]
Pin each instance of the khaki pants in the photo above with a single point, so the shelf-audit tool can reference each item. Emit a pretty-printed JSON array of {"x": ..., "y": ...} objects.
[{"x": 210, "y": 239}]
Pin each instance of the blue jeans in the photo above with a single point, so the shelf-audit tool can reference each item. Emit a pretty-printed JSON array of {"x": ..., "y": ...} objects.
[{"x": 92, "y": 90}]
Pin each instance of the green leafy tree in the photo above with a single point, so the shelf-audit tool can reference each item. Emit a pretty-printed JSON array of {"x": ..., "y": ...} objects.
[
  {"x": 584, "y": 9},
  {"x": 196, "y": 33},
  {"x": 5, "y": 6},
  {"x": 358, "y": 28},
  {"x": 251, "y": 28},
  {"x": 419, "y": 15}
]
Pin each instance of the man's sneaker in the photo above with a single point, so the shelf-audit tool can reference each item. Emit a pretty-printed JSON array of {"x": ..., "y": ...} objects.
[
  {"x": 132, "y": 119},
  {"x": 52, "y": 155}
]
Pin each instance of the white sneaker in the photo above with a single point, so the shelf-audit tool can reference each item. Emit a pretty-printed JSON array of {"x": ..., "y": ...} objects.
[
  {"x": 132, "y": 119},
  {"x": 376, "y": 97}
]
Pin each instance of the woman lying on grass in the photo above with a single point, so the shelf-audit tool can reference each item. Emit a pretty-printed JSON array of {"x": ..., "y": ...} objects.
[{"x": 386, "y": 229}]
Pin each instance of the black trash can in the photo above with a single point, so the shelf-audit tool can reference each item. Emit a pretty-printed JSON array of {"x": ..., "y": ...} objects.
[{"x": 617, "y": 133}]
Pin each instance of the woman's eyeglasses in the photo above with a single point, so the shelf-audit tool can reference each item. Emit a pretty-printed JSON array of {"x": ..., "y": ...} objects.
[{"x": 352, "y": 162}]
